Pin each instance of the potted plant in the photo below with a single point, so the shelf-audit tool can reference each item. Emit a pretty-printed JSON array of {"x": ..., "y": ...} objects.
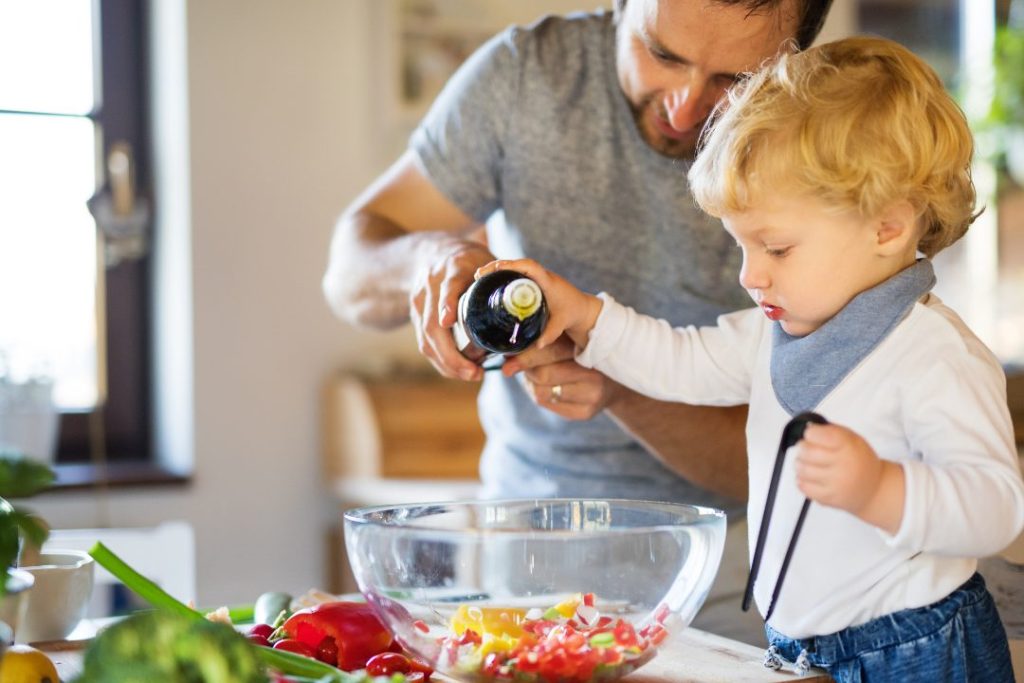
[
  {"x": 19, "y": 477},
  {"x": 1006, "y": 114}
]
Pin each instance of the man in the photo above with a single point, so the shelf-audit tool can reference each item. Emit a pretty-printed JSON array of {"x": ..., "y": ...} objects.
[{"x": 568, "y": 142}]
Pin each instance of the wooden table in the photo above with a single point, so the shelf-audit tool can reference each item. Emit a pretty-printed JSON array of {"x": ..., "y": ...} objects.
[{"x": 692, "y": 657}]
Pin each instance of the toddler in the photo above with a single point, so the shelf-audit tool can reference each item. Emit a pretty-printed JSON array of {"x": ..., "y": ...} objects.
[{"x": 840, "y": 171}]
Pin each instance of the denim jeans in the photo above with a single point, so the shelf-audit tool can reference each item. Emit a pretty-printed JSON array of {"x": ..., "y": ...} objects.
[{"x": 958, "y": 639}]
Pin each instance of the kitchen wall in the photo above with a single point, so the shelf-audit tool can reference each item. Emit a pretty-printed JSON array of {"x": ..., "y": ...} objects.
[{"x": 269, "y": 118}]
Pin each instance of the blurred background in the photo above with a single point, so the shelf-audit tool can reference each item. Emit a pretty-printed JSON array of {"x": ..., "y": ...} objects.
[{"x": 170, "y": 172}]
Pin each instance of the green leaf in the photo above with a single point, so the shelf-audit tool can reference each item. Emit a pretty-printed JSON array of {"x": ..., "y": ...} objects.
[
  {"x": 8, "y": 545},
  {"x": 21, "y": 477},
  {"x": 32, "y": 527},
  {"x": 1008, "y": 61}
]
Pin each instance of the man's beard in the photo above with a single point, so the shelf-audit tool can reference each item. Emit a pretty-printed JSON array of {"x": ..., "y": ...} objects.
[{"x": 685, "y": 149}]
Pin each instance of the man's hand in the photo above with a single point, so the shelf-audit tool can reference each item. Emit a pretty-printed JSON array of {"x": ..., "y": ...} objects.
[
  {"x": 557, "y": 382},
  {"x": 433, "y": 304},
  {"x": 702, "y": 444},
  {"x": 837, "y": 467}
]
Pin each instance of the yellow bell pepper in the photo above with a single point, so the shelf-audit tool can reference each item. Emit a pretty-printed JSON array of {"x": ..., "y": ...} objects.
[{"x": 496, "y": 621}]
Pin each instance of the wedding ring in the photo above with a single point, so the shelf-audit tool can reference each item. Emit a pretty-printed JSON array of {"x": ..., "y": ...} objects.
[{"x": 556, "y": 393}]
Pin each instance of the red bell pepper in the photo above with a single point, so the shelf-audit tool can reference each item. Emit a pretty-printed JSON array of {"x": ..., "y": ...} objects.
[{"x": 352, "y": 626}]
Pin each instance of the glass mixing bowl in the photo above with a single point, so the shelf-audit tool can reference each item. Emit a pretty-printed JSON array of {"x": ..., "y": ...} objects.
[{"x": 547, "y": 590}]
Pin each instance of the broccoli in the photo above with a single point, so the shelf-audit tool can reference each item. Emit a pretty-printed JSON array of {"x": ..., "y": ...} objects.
[{"x": 161, "y": 647}]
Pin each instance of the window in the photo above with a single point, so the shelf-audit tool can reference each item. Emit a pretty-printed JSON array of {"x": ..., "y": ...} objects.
[
  {"x": 980, "y": 276},
  {"x": 71, "y": 104}
]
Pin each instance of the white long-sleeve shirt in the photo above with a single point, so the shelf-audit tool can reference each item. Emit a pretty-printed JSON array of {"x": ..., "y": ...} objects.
[{"x": 930, "y": 396}]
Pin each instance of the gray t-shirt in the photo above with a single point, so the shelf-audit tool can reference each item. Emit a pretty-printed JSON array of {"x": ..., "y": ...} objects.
[{"x": 534, "y": 136}]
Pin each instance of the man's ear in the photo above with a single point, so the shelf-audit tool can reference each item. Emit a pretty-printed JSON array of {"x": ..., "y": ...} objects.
[{"x": 896, "y": 228}]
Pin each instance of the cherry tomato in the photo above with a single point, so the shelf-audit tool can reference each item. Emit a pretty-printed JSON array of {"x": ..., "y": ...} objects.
[
  {"x": 417, "y": 665},
  {"x": 261, "y": 630},
  {"x": 298, "y": 647},
  {"x": 256, "y": 639},
  {"x": 387, "y": 663}
]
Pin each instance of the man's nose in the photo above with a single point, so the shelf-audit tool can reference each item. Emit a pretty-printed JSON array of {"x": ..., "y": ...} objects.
[{"x": 685, "y": 107}]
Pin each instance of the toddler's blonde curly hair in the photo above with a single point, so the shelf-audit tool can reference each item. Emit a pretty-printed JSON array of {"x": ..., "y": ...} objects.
[{"x": 859, "y": 123}]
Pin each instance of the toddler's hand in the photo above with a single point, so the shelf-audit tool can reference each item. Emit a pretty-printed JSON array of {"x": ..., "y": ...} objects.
[
  {"x": 836, "y": 467},
  {"x": 569, "y": 310}
]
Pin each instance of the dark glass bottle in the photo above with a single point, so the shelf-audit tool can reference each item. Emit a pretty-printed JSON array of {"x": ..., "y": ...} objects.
[{"x": 500, "y": 314}]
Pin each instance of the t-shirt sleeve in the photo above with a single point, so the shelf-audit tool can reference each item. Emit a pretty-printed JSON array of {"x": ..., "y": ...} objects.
[{"x": 461, "y": 141}]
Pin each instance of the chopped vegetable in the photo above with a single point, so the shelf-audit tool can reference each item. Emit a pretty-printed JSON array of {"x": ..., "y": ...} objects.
[
  {"x": 496, "y": 621},
  {"x": 570, "y": 642},
  {"x": 353, "y": 627},
  {"x": 221, "y": 615}
]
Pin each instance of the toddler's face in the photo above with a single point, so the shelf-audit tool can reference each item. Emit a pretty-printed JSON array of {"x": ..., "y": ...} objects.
[{"x": 803, "y": 260}]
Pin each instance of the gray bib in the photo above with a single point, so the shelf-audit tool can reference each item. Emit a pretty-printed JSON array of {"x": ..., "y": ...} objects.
[{"x": 805, "y": 369}]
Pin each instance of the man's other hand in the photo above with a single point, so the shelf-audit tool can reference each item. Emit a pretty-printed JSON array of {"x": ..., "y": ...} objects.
[
  {"x": 433, "y": 304},
  {"x": 557, "y": 382}
]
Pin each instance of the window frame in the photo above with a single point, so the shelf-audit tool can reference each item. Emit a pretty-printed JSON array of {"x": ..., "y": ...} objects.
[{"x": 120, "y": 430}]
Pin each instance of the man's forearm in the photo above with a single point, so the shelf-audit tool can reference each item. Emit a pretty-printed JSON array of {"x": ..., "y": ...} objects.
[
  {"x": 387, "y": 240},
  {"x": 372, "y": 268},
  {"x": 705, "y": 445}
]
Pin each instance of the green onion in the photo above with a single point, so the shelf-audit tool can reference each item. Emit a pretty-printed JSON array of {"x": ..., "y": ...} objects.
[
  {"x": 146, "y": 589},
  {"x": 299, "y": 665},
  {"x": 239, "y": 614},
  {"x": 294, "y": 664}
]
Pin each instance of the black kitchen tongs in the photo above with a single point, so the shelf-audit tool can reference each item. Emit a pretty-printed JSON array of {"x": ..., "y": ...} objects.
[{"x": 791, "y": 435}]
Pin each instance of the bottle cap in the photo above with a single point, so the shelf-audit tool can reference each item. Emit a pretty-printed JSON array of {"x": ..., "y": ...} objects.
[{"x": 522, "y": 298}]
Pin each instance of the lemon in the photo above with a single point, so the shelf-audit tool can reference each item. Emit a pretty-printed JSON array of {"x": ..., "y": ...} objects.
[{"x": 25, "y": 664}]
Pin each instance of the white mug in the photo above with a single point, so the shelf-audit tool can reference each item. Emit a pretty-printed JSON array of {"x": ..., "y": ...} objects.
[{"x": 60, "y": 596}]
